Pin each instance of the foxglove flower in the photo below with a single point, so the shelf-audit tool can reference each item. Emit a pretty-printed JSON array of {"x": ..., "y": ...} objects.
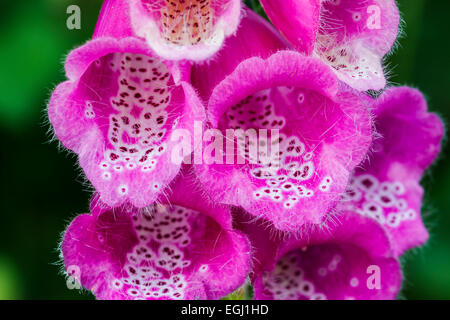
[
  {"x": 351, "y": 259},
  {"x": 387, "y": 187},
  {"x": 180, "y": 248},
  {"x": 352, "y": 36},
  {"x": 118, "y": 108},
  {"x": 324, "y": 132},
  {"x": 185, "y": 29}
]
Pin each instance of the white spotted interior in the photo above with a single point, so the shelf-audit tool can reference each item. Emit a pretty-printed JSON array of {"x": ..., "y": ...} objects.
[{"x": 382, "y": 201}]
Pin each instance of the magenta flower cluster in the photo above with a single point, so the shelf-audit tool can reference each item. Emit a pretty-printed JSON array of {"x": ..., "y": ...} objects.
[{"x": 326, "y": 217}]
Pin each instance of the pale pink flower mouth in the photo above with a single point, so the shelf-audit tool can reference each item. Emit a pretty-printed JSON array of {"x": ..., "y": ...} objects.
[
  {"x": 352, "y": 36},
  {"x": 189, "y": 29},
  {"x": 349, "y": 260}
]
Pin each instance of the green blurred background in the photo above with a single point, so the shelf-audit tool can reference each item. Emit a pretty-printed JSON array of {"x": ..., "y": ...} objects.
[{"x": 41, "y": 192}]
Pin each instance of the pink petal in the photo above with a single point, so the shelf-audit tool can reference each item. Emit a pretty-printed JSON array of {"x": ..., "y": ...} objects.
[
  {"x": 114, "y": 20},
  {"x": 182, "y": 250}
]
